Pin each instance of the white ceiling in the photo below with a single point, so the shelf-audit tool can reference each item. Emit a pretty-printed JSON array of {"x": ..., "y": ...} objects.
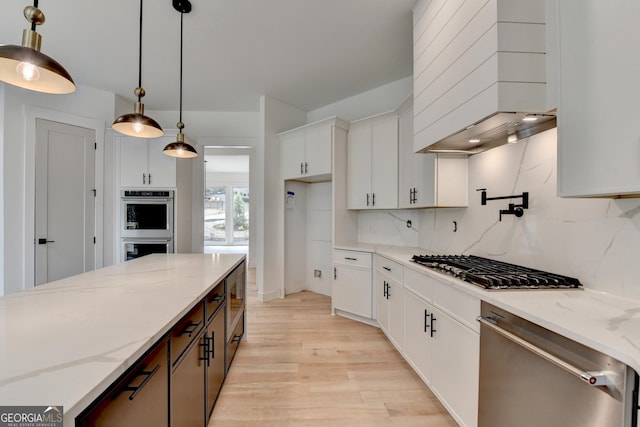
[{"x": 307, "y": 53}]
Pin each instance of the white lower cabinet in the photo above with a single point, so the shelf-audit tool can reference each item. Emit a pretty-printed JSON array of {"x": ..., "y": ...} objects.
[
  {"x": 442, "y": 344},
  {"x": 351, "y": 292},
  {"x": 390, "y": 302}
]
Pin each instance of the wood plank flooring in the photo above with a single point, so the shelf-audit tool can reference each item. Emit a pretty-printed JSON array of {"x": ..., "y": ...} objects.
[{"x": 300, "y": 366}]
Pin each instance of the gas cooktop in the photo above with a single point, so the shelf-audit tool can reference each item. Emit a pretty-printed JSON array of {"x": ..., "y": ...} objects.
[{"x": 496, "y": 275}]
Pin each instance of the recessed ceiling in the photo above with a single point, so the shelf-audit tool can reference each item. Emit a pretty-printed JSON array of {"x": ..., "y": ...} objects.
[{"x": 307, "y": 53}]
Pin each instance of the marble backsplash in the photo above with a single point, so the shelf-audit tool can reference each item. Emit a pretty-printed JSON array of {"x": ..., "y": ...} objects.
[{"x": 595, "y": 240}]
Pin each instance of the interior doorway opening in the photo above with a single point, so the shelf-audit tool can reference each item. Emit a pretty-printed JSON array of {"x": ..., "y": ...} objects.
[{"x": 226, "y": 202}]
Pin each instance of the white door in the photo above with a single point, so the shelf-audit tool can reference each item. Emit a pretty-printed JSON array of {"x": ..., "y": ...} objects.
[{"x": 65, "y": 201}]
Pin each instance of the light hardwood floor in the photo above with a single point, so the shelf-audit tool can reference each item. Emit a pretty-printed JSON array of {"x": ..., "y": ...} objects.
[{"x": 300, "y": 366}]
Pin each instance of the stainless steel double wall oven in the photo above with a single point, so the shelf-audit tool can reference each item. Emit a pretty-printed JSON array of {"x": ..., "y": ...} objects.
[{"x": 146, "y": 222}]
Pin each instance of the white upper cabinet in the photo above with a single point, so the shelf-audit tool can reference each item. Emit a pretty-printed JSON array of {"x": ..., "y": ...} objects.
[
  {"x": 598, "y": 93},
  {"x": 143, "y": 165},
  {"x": 473, "y": 59},
  {"x": 427, "y": 180},
  {"x": 305, "y": 152},
  {"x": 372, "y": 163}
]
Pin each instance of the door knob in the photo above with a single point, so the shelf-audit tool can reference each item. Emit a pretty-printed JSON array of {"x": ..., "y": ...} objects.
[{"x": 45, "y": 241}]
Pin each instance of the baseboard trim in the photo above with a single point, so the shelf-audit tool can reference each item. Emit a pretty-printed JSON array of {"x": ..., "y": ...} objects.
[{"x": 269, "y": 295}]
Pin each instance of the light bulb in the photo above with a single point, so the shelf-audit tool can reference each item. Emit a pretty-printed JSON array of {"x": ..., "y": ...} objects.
[
  {"x": 28, "y": 71},
  {"x": 180, "y": 151},
  {"x": 137, "y": 127}
]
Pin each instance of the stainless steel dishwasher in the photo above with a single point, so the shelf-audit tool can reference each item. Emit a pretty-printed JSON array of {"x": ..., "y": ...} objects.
[{"x": 532, "y": 377}]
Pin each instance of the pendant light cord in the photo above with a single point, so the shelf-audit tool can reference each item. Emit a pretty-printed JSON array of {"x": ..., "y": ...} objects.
[
  {"x": 181, "y": 25},
  {"x": 33, "y": 24},
  {"x": 139, "y": 52}
]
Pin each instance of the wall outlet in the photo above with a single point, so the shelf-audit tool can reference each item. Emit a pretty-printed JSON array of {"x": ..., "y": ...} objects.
[{"x": 317, "y": 273}]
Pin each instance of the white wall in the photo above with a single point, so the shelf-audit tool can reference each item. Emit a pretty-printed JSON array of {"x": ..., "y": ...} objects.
[
  {"x": 86, "y": 107},
  {"x": 276, "y": 117}
]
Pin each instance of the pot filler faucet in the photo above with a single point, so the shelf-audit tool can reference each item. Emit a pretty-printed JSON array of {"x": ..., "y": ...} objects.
[{"x": 517, "y": 210}]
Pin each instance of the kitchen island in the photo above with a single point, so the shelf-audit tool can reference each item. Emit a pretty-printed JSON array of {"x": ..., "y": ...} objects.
[{"x": 66, "y": 342}]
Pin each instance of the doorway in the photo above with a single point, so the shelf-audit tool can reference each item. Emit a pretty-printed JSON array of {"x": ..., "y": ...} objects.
[
  {"x": 226, "y": 203},
  {"x": 64, "y": 243}
]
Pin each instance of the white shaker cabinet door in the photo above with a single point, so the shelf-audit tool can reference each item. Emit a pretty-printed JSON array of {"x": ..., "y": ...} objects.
[
  {"x": 359, "y": 166},
  {"x": 133, "y": 162},
  {"x": 162, "y": 168},
  {"x": 417, "y": 337},
  {"x": 384, "y": 163},
  {"x": 292, "y": 155},
  {"x": 456, "y": 367},
  {"x": 317, "y": 147}
]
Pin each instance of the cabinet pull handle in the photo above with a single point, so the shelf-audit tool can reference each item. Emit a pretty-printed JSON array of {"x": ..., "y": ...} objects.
[
  {"x": 237, "y": 338},
  {"x": 136, "y": 389},
  {"x": 415, "y": 195},
  {"x": 386, "y": 268},
  {"x": 149, "y": 178},
  {"x": 216, "y": 298},
  {"x": 373, "y": 199},
  {"x": 350, "y": 258},
  {"x": 433, "y": 321},
  {"x": 335, "y": 273},
  {"x": 301, "y": 169},
  {"x": 144, "y": 178},
  {"x": 306, "y": 168},
  {"x": 205, "y": 351},
  {"x": 410, "y": 195},
  {"x": 426, "y": 320},
  {"x": 191, "y": 328},
  {"x": 367, "y": 199},
  {"x": 212, "y": 348}
]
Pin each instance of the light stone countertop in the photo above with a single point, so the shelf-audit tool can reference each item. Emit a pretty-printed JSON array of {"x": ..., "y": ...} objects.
[
  {"x": 604, "y": 322},
  {"x": 65, "y": 342}
]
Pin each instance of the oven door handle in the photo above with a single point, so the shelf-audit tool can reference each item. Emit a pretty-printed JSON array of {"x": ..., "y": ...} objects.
[{"x": 593, "y": 378}]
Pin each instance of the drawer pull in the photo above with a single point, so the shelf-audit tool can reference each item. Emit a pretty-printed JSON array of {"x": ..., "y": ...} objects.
[
  {"x": 386, "y": 268},
  {"x": 237, "y": 338},
  {"x": 136, "y": 389},
  {"x": 191, "y": 328},
  {"x": 216, "y": 298},
  {"x": 350, "y": 258},
  {"x": 212, "y": 347}
]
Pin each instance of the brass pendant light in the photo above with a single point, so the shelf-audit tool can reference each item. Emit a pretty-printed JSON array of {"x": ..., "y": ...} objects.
[
  {"x": 180, "y": 148},
  {"x": 26, "y": 67},
  {"x": 136, "y": 123}
]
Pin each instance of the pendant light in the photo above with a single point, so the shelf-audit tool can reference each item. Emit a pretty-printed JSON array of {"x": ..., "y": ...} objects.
[
  {"x": 26, "y": 67},
  {"x": 180, "y": 148},
  {"x": 136, "y": 123}
]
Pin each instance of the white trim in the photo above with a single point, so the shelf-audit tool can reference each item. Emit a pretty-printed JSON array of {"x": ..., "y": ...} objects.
[
  {"x": 269, "y": 296},
  {"x": 31, "y": 114}
]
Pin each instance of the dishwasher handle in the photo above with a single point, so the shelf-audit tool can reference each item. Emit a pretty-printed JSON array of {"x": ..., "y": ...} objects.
[{"x": 593, "y": 378}]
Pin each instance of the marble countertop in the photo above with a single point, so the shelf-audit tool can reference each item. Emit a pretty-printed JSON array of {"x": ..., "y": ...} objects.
[
  {"x": 65, "y": 342},
  {"x": 604, "y": 322}
]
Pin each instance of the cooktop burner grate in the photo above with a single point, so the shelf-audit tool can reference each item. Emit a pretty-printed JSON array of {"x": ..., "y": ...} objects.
[{"x": 491, "y": 274}]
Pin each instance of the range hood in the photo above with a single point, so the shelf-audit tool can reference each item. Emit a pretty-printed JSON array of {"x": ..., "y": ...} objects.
[{"x": 498, "y": 129}]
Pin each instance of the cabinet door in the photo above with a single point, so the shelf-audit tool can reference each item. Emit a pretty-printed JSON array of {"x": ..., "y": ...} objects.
[
  {"x": 292, "y": 155},
  {"x": 133, "y": 162},
  {"x": 406, "y": 160},
  {"x": 139, "y": 399},
  {"x": 215, "y": 365},
  {"x": 352, "y": 290},
  {"x": 317, "y": 145},
  {"x": 455, "y": 359},
  {"x": 384, "y": 163},
  {"x": 187, "y": 387},
  {"x": 395, "y": 295},
  {"x": 382, "y": 302},
  {"x": 162, "y": 168},
  {"x": 451, "y": 180},
  {"x": 417, "y": 340},
  {"x": 359, "y": 166},
  {"x": 598, "y": 150}
]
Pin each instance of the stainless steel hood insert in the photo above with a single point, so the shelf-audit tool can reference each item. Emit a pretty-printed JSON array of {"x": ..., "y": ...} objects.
[{"x": 493, "y": 131}]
